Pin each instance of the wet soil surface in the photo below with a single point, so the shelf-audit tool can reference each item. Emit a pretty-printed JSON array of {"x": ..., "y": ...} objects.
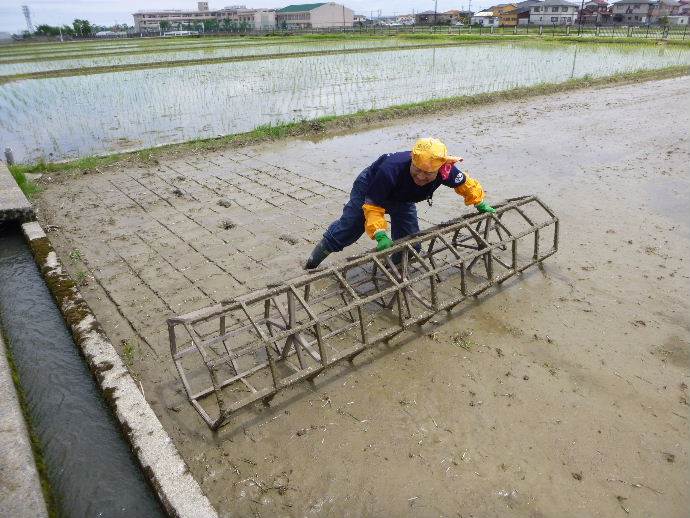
[{"x": 567, "y": 394}]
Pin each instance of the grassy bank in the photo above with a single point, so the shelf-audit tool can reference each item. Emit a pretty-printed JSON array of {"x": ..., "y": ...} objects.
[
  {"x": 334, "y": 123},
  {"x": 29, "y": 188}
]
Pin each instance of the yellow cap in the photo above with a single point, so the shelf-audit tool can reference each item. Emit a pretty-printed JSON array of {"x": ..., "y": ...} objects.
[{"x": 430, "y": 154}]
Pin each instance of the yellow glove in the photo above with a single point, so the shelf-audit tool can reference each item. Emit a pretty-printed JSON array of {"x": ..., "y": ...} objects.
[
  {"x": 374, "y": 219},
  {"x": 471, "y": 190}
]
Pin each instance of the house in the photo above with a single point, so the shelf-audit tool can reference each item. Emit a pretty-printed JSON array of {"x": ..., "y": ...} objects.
[
  {"x": 631, "y": 12},
  {"x": 553, "y": 12},
  {"x": 485, "y": 19},
  {"x": 523, "y": 9},
  {"x": 432, "y": 18},
  {"x": 595, "y": 12},
  {"x": 663, "y": 9},
  {"x": 314, "y": 16},
  {"x": 360, "y": 20},
  {"x": 507, "y": 14}
]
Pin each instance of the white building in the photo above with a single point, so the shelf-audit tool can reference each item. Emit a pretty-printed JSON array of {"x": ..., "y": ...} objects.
[
  {"x": 632, "y": 12},
  {"x": 314, "y": 16},
  {"x": 239, "y": 15},
  {"x": 485, "y": 19},
  {"x": 553, "y": 12}
]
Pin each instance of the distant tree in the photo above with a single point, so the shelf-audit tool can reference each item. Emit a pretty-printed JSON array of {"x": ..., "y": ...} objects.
[
  {"x": 47, "y": 30},
  {"x": 664, "y": 21},
  {"x": 165, "y": 25},
  {"x": 244, "y": 26},
  {"x": 226, "y": 25},
  {"x": 82, "y": 27},
  {"x": 210, "y": 25}
]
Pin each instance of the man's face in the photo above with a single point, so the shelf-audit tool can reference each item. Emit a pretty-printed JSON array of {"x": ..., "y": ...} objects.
[{"x": 421, "y": 177}]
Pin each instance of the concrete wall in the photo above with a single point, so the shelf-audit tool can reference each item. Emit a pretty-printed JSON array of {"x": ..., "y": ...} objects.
[{"x": 332, "y": 15}]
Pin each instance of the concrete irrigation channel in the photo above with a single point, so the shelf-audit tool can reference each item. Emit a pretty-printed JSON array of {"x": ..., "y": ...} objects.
[{"x": 87, "y": 465}]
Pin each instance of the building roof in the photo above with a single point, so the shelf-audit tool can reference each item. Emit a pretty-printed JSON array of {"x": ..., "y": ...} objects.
[
  {"x": 299, "y": 8},
  {"x": 554, "y": 3},
  {"x": 634, "y": 2}
]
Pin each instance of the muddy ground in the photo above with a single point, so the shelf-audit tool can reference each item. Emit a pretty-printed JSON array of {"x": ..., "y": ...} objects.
[{"x": 570, "y": 395}]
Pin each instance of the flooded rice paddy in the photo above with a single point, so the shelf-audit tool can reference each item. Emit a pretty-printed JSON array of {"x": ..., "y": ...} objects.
[
  {"x": 70, "y": 117},
  {"x": 41, "y": 63}
]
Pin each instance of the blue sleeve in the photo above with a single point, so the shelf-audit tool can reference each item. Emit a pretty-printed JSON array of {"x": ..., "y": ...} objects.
[
  {"x": 381, "y": 184},
  {"x": 455, "y": 178}
]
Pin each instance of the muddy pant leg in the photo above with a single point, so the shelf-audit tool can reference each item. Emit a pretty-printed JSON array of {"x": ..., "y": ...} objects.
[
  {"x": 404, "y": 222},
  {"x": 350, "y": 226}
]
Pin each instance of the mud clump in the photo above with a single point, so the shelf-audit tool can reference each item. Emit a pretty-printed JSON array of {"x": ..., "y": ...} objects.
[{"x": 289, "y": 239}]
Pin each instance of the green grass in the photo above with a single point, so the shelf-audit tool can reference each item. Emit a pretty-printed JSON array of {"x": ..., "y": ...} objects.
[
  {"x": 462, "y": 339},
  {"x": 352, "y": 121},
  {"x": 128, "y": 350},
  {"x": 29, "y": 188}
]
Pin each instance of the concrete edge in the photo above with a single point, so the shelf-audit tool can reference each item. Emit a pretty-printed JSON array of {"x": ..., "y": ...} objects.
[
  {"x": 14, "y": 205},
  {"x": 179, "y": 493},
  {"x": 20, "y": 492}
]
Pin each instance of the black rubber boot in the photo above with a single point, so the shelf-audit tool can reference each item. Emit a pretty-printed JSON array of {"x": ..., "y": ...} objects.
[{"x": 317, "y": 256}]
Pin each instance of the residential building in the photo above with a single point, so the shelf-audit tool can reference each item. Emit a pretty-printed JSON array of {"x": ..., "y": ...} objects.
[
  {"x": 595, "y": 12},
  {"x": 507, "y": 14},
  {"x": 553, "y": 12},
  {"x": 150, "y": 21},
  {"x": 485, "y": 19},
  {"x": 523, "y": 9},
  {"x": 632, "y": 12},
  {"x": 644, "y": 12},
  {"x": 432, "y": 18},
  {"x": 314, "y": 16},
  {"x": 663, "y": 9},
  {"x": 360, "y": 20}
]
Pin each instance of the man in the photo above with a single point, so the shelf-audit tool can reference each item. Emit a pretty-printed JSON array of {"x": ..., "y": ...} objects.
[{"x": 393, "y": 184}]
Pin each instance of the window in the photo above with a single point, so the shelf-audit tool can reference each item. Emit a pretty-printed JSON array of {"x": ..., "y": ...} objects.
[
  {"x": 554, "y": 19},
  {"x": 636, "y": 6},
  {"x": 554, "y": 9},
  {"x": 564, "y": 9},
  {"x": 537, "y": 9}
]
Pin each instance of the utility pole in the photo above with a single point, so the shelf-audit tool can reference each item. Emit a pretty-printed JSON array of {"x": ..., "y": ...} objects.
[
  {"x": 579, "y": 27},
  {"x": 27, "y": 17},
  {"x": 435, "y": 13}
]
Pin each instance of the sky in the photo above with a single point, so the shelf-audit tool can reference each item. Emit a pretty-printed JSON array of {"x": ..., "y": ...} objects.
[{"x": 109, "y": 12}]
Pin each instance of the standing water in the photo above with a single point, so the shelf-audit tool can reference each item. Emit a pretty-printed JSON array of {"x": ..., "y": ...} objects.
[{"x": 90, "y": 469}]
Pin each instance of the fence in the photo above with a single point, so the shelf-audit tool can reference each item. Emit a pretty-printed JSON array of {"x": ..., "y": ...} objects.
[
  {"x": 601, "y": 31},
  {"x": 248, "y": 349}
]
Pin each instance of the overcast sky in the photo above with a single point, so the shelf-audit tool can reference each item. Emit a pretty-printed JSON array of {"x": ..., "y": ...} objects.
[{"x": 108, "y": 12}]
